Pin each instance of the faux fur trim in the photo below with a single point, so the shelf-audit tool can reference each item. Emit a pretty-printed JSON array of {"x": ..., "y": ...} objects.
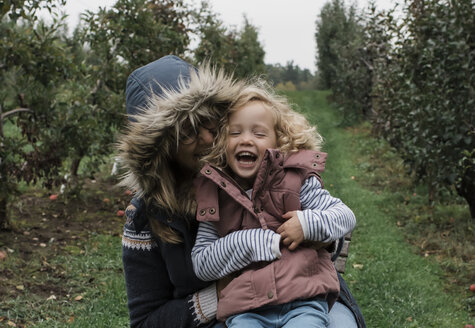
[{"x": 150, "y": 141}]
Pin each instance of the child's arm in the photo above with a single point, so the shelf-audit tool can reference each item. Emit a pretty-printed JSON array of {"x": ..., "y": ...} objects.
[
  {"x": 214, "y": 257},
  {"x": 323, "y": 218}
]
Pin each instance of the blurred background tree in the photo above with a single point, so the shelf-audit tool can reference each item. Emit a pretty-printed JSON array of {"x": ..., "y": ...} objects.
[{"x": 62, "y": 97}]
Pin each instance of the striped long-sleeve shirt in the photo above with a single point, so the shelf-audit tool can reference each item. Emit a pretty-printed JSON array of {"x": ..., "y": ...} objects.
[{"x": 323, "y": 218}]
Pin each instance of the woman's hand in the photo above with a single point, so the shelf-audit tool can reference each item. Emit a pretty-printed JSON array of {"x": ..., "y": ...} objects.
[{"x": 291, "y": 231}]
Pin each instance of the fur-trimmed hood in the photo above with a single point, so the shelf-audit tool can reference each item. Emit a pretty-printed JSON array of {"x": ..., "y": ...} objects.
[{"x": 150, "y": 141}]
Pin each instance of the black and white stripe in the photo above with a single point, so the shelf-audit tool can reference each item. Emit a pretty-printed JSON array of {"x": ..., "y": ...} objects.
[{"x": 324, "y": 218}]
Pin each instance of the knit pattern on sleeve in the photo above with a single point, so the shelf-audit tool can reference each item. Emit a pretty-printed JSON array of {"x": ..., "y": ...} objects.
[
  {"x": 203, "y": 304},
  {"x": 136, "y": 240}
]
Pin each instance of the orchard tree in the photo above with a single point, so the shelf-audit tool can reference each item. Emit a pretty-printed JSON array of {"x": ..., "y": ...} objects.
[
  {"x": 358, "y": 65},
  {"x": 133, "y": 33},
  {"x": 218, "y": 45},
  {"x": 250, "y": 60},
  {"x": 130, "y": 34},
  {"x": 33, "y": 64},
  {"x": 427, "y": 97},
  {"x": 335, "y": 28},
  {"x": 237, "y": 51}
]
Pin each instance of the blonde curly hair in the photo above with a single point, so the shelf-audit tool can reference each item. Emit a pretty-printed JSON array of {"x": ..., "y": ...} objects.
[{"x": 292, "y": 129}]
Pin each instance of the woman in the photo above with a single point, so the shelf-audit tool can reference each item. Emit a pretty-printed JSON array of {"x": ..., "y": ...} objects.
[{"x": 174, "y": 110}]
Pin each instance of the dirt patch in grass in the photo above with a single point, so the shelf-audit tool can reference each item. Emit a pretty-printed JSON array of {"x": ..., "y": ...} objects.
[{"x": 43, "y": 229}]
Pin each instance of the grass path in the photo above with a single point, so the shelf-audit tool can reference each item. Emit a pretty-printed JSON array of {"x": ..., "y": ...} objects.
[{"x": 393, "y": 286}]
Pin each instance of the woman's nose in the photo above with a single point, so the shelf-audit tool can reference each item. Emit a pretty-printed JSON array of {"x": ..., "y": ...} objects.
[{"x": 205, "y": 136}]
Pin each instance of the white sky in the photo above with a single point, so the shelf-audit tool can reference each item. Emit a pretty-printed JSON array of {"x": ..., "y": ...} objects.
[{"x": 286, "y": 27}]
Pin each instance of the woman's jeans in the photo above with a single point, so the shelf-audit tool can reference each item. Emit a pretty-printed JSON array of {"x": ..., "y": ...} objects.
[
  {"x": 341, "y": 316},
  {"x": 297, "y": 314}
]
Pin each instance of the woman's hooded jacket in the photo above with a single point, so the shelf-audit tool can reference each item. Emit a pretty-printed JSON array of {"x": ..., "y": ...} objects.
[
  {"x": 162, "y": 288},
  {"x": 162, "y": 97}
]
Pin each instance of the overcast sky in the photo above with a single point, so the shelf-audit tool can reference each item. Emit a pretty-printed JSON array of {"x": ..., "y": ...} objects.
[{"x": 286, "y": 27}]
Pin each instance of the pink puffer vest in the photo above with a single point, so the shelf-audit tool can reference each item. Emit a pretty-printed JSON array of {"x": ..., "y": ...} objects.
[{"x": 300, "y": 274}]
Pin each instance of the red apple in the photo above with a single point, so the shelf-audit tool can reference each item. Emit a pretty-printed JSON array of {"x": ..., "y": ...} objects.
[
  {"x": 469, "y": 326},
  {"x": 53, "y": 197},
  {"x": 472, "y": 287},
  {"x": 120, "y": 213}
]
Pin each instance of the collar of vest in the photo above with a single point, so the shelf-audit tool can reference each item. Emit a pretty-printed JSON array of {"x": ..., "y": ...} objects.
[{"x": 308, "y": 160}]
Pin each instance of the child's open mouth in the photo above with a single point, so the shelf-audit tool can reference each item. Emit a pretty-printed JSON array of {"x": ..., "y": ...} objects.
[{"x": 246, "y": 158}]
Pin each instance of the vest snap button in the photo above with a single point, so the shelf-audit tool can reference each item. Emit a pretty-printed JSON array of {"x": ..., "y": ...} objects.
[
  {"x": 202, "y": 212},
  {"x": 270, "y": 295},
  {"x": 277, "y": 155},
  {"x": 223, "y": 183},
  {"x": 314, "y": 164},
  {"x": 208, "y": 171},
  {"x": 317, "y": 156},
  {"x": 212, "y": 210}
]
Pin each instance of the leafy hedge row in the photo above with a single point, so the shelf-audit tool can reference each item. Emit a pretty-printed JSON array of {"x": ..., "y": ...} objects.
[{"x": 413, "y": 77}]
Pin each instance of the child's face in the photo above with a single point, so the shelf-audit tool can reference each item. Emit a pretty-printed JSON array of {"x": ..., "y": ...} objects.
[{"x": 251, "y": 132}]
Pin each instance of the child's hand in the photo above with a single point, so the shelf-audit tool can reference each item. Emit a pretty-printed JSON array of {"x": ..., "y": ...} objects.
[{"x": 291, "y": 231}]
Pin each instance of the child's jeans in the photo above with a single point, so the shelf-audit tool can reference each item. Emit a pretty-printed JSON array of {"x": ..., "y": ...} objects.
[{"x": 299, "y": 314}]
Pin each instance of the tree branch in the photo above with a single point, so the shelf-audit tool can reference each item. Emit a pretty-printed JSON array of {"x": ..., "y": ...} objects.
[{"x": 14, "y": 111}]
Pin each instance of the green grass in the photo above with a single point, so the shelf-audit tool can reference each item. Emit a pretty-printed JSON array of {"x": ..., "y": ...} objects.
[
  {"x": 92, "y": 292},
  {"x": 393, "y": 285}
]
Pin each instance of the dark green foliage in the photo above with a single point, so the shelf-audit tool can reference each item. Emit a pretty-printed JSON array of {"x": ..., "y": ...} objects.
[
  {"x": 133, "y": 33},
  {"x": 280, "y": 75},
  {"x": 63, "y": 94},
  {"x": 427, "y": 97},
  {"x": 336, "y": 28},
  {"x": 413, "y": 78},
  {"x": 239, "y": 52},
  {"x": 34, "y": 64}
]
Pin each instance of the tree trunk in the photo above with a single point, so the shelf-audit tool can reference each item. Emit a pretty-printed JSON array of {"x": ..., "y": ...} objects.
[
  {"x": 4, "y": 222},
  {"x": 74, "y": 167},
  {"x": 467, "y": 191}
]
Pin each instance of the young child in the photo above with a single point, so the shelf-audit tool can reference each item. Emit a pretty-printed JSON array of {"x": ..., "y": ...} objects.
[{"x": 259, "y": 188}]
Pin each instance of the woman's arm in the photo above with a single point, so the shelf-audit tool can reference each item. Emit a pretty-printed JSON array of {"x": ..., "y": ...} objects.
[
  {"x": 150, "y": 291},
  {"x": 324, "y": 218},
  {"x": 214, "y": 257}
]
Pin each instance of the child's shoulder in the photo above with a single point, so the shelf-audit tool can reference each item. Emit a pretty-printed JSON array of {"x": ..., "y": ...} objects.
[{"x": 306, "y": 159}]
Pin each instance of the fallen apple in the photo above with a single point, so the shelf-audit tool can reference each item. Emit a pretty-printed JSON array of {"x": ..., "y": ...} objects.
[
  {"x": 120, "y": 213},
  {"x": 53, "y": 197},
  {"x": 472, "y": 287}
]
